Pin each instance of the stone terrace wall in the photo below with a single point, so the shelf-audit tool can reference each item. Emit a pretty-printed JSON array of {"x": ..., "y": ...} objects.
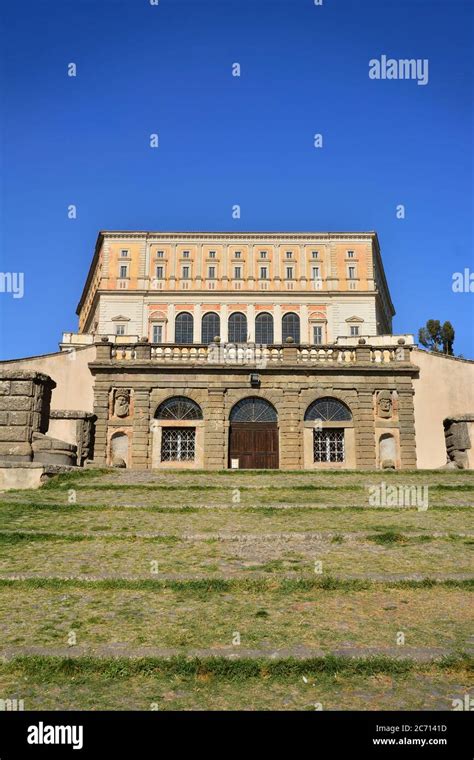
[{"x": 25, "y": 398}]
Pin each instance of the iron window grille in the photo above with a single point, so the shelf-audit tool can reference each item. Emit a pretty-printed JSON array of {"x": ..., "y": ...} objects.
[
  {"x": 253, "y": 409},
  {"x": 328, "y": 445},
  {"x": 328, "y": 410},
  {"x": 179, "y": 408},
  {"x": 178, "y": 444}
]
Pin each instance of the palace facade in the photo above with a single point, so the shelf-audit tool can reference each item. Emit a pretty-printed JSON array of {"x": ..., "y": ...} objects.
[
  {"x": 246, "y": 351},
  {"x": 238, "y": 350}
]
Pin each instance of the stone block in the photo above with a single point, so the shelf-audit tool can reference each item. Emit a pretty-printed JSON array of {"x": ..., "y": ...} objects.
[
  {"x": 18, "y": 418},
  {"x": 13, "y": 433},
  {"x": 15, "y": 403},
  {"x": 16, "y": 451},
  {"x": 21, "y": 388},
  {"x": 4, "y": 387}
]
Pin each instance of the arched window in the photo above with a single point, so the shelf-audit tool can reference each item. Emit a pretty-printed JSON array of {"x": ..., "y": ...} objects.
[
  {"x": 179, "y": 408},
  {"x": 211, "y": 326},
  {"x": 184, "y": 328},
  {"x": 253, "y": 409},
  {"x": 237, "y": 327},
  {"x": 290, "y": 327},
  {"x": 328, "y": 410},
  {"x": 264, "y": 328}
]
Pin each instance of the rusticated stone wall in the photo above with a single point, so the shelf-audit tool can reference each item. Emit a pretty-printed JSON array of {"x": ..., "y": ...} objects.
[
  {"x": 25, "y": 398},
  {"x": 380, "y": 398}
]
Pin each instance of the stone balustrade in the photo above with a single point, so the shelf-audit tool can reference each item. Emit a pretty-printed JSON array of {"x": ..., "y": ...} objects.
[{"x": 251, "y": 354}]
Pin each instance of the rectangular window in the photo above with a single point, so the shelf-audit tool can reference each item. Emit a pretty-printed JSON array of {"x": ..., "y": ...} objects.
[
  {"x": 328, "y": 445},
  {"x": 159, "y": 273},
  {"x": 185, "y": 273},
  {"x": 160, "y": 254},
  {"x": 237, "y": 273},
  {"x": 317, "y": 335},
  {"x": 315, "y": 273},
  {"x": 289, "y": 254},
  {"x": 263, "y": 254},
  {"x": 212, "y": 254},
  {"x": 119, "y": 329},
  {"x": 289, "y": 273},
  {"x": 178, "y": 444},
  {"x": 211, "y": 273},
  {"x": 124, "y": 253},
  {"x": 350, "y": 254},
  {"x": 185, "y": 254},
  {"x": 354, "y": 330},
  {"x": 123, "y": 271},
  {"x": 351, "y": 272},
  {"x": 315, "y": 254},
  {"x": 263, "y": 273},
  {"x": 157, "y": 335},
  {"x": 238, "y": 254}
]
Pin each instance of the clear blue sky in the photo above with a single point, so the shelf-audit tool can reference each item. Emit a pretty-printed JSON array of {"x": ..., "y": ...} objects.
[{"x": 223, "y": 140}]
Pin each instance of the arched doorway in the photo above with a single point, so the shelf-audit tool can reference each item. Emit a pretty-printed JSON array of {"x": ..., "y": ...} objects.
[{"x": 253, "y": 436}]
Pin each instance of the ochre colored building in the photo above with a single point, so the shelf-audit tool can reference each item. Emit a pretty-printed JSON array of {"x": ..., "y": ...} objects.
[{"x": 240, "y": 350}]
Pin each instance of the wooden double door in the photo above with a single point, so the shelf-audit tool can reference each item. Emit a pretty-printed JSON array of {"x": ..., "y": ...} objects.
[{"x": 254, "y": 444}]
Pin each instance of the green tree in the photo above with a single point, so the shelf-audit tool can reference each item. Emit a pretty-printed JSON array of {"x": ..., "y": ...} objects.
[
  {"x": 437, "y": 337},
  {"x": 447, "y": 337}
]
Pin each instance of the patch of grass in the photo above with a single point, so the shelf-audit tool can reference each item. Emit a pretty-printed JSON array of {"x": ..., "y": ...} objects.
[
  {"x": 337, "y": 539},
  {"x": 448, "y": 487},
  {"x": 390, "y": 537},
  {"x": 67, "y": 479},
  {"x": 50, "y": 668},
  {"x": 220, "y": 585},
  {"x": 16, "y": 537}
]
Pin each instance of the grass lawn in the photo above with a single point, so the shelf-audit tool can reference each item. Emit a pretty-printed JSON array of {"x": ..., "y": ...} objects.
[{"x": 145, "y": 567}]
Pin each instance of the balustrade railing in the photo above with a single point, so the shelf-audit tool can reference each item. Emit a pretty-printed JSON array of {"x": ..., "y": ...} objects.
[{"x": 251, "y": 354}]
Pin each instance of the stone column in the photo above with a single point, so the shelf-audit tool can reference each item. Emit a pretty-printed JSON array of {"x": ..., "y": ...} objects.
[
  {"x": 101, "y": 412},
  {"x": 197, "y": 333},
  {"x": 406, "y": 415},
  {"x": 251, "y": 322},
  {"x": 199, "y": 257},
  {"x": 251, "y": 267},
  {"x": 303, "y": 265},
  {"x": 304, "y": 324},
  {"x": 276, "y": 266},
  {"x": 141, "y": 429},
  {"x": 290, "y": 432},
  {"x": 170, "y": 325},
  {"x": 225, "y": 264},
  {"x": 224, "y": 323},
  {"x": 277, "y": 324},
  {"x": 173, "y": 267},
  {"x": 215, "y": 444},
  {"x": 365, "y": 431}
]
